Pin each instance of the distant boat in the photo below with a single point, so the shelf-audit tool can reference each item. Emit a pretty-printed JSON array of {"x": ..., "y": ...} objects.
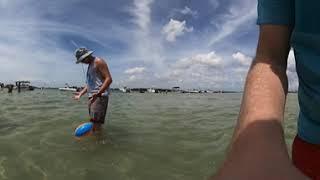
[
  {"x": 68, "y": 88},
  {"x": 24, "y": 86},
  {"x": 125, "y": 90},
  {"x": 153, "y": 90},
  {"x": 192, "y": 91}
]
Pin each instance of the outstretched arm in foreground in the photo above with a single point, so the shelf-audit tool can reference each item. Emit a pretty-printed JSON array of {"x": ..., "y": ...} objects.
[{"x": 258, "y": 149}]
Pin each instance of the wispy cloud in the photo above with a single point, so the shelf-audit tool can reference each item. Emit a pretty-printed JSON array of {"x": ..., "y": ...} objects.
[
  {"x": 208, "y": 60},
  {"x": 174, "y": 29},
  {"x": 237, "y": 16},
  {"x": 31, "y": 44},
  {"x": 204, "y": 69},
  {"x": 135, "y": 70},
  {"x": 188, "y": 11},
  {"x": 145, "y": 47},
  {"x": 242, "y": 59},
  {"x": 141, "y": 12},
  {"x": 143, "y": 44}
]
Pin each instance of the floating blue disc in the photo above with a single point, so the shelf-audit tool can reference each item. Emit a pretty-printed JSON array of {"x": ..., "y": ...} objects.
[{"x": 83, "y": 129}]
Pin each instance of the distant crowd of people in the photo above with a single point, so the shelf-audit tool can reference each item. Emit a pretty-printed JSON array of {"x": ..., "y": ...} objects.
[{"x": 8, "y": 86}]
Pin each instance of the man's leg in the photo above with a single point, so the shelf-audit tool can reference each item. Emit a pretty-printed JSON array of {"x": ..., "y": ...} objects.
[
  {"x": 98, "y": 111},
  {"x": 96, "y": 127}
]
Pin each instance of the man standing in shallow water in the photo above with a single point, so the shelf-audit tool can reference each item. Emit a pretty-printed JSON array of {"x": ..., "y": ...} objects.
[{"x": 97, "y": 86}]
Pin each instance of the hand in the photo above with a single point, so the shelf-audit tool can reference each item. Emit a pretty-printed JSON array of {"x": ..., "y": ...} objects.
[
  {"x": 94, "y": 97},
  {"x": 77, "y": 96}
]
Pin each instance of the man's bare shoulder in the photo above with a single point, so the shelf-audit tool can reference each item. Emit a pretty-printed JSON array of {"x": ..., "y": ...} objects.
[{"x": 99, "y": 61}]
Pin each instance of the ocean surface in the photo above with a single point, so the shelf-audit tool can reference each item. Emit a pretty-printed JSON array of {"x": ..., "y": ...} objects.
[{"x": 147, "y": 136}]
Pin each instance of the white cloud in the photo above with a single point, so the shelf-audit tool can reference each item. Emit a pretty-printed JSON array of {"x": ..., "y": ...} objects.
[
  {"x": 184, "y": 12},
  {"x": 188, "y": 11},
  {"x": 35, "y": 39},
  {"x": 211, "y": 60},
  {"x": 31, "y": 44},
  {"x": 242, "y": 58},
  {"x": 291, "y": 72},
  {"x": 174, "y": 29},
  {"x": 291, "y": 62},
  {"x": 132, "y": 78},
  {"x": 201, "y": 70},
  {"x": 142, "y": 11},
  {"x": 136, "y": 70},
  {"x": 145, "y": 46},
  {"x": 240, "y": 13}
]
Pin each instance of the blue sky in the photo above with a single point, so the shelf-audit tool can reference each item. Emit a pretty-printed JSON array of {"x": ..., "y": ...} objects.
[{"x": 206, "y": 44}]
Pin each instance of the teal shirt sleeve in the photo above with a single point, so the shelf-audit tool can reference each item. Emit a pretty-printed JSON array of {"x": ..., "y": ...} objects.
[{"x": 277, "y": 12}]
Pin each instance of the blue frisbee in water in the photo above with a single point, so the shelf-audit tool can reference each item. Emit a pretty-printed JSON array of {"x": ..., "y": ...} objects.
[{"x": 83, "y": 129}]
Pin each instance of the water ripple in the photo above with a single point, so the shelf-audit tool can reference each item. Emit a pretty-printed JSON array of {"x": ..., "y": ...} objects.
[{"x": 183, "y": 136}]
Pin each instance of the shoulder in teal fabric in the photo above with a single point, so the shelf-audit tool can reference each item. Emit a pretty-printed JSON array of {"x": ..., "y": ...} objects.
[
  {"x": 276, "y": 12},
  {"x": 304, "y": 17}
]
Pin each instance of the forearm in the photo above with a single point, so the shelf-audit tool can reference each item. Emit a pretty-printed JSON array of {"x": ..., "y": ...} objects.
[
  {"x": 83, "y": 91},
  {"x": 264, "y": 96},
  {"x": 106, "y": 84},
  {"x": 258, "y": 147}
]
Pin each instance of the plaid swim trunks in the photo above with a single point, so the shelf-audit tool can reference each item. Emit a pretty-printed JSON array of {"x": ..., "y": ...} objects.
[{"x": 98, "y": 109}]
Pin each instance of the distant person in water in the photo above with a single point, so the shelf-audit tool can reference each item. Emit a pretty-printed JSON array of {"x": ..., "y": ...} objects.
[
  {"x": 10, "y": 88},
  {"x": 98, "y": 82}
]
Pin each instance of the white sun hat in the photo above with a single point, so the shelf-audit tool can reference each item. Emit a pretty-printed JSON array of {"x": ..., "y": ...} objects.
[{"x": 81, "y": 54}]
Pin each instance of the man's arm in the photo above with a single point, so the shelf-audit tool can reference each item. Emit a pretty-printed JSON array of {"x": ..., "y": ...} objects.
[
  {"x": 104, "y": 71},
  {"x": 84, "y": 90},
  {"x": 258, "y": 149},
  {"x": 78, "y": 95}
]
